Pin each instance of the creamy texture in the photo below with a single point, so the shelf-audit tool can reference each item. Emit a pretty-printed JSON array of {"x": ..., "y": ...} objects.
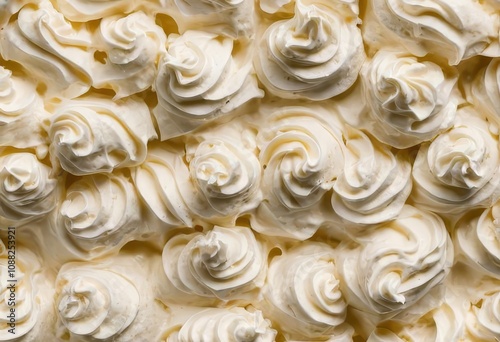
[
  {"x": 28, "y": 188},
  {"x": 45, "y": 43},
  {"x": 133, "y": 43},
  {"x": 21, "y": 112},
  {"x": 301, "y": 153},
  {"x": 304, "y": 296},
  {"x": 225, "y": 175},
  {"x": 486, "y": 91},
  {"x": 95, "y": 304},
  {"x": 459, "y": 169},
  {"x": 101, "y": 212},
  {"x": 315, "y": 55},
  {"x": 200, "y": 79},
  {"x": 396, "y": 264},
  {"x": 454, "y": 30},
  {"x": 160, "y": 180},
  {"x": 409, "y": 101},
  {"x": 96, "y": 134},
  {"x": 477, "y": 238},
  {"x": 375, "y": 183},
  {"x": 224, "y": 263},
  {"x": 231, "y": 325}
]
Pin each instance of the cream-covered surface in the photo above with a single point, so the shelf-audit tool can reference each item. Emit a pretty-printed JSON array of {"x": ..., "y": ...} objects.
[{"x": 239, "y": 170}]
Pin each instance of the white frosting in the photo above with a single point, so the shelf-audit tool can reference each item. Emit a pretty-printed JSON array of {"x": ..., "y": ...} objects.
[
  {"x": 459, "y": 169},
  {"x": 316, "y": 55},
  {"x": 160, "y": 180},
  {"x": 95, "y": 134},
  {"x": 409, "y": 101},
  {"x": 95, "y": 304},
  {"x": 21, "y": 113},
  {"x": 304, "y": 296},
  {"x": 477, "y": 238},
  {"x": 199, "y": 79},
  {"x": 375, "y": 183},
  {"x": 101, "y": 212},
  {"x": 231, "y": 18},
  {"x": 27, "y": 188},
  {"x": 85, "y": 10},
  {"x": 483, "y": 319},
  {"x": 46, "y": 44},
  {"x": 397, "y": 263},
  {"x": 455, "y": 30},
  {"x": 223, "y": 263},
  {"x": 231, "y": 325},
  {"x": 486, "y": 91},
  {"x": 132, "y": 45},
  {"x": 224, "y": 175},
  {"x": 27, "y": 298},
  {"x": 301, "y": 153}
]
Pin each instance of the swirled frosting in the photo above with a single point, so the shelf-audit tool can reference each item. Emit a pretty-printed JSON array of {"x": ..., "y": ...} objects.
[
  {"x": 95, "y": 304},
  {"x": 375, "y": 183},
  {"x": 231, "y": 18},
  {"x": 409, "y": 101},
  {"x": 160, "y": 181},
  {"x": 441, "y": 324},
  {"x": 483, "y": 319},
  {"x": 231, "y": 325},
  {"x": 21, "y": 112},
  {"x": 486, "y": 91},
  {"x": 86, "y": 10},
  {"x": 95, "y": 134},
  {"x": 132, "y": 45},
  {"x": 397, "y": 263},
  {"x": 50, "y": 48},
  {"x": 301, "y": 154},
  {"x": 225, "y": 177},
  {"x": 101, "y": 211},
  {"x": 198, "y": 80},
  {"x": 459, "y": 169},
  {"x": 304, "y": 296},
  {"x": 26, "y": 303},
  {"x": 454, "y": 30},
  {"x": 224, "y": 263},
  {"x": 477, "y": 238},
  {"x": 27, "y": 187},
  {"x": 315, "y": 55}
]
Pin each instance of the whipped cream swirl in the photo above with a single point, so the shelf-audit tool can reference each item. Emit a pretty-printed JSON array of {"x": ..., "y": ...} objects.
[
  {"x": 228, "y": 325},
  {"x": 27, "y": 302},
  {"x": 316, "y": 55},
  {"x": 477, "y": 237},
  {"x": 303, "y": 291},
  {"x": 101, "y": 211},
  {"x": 375, "y": 183},
  {"x": 459, "y": 169},
  {"x": 200, "y": 79},
  {"x": 301, "y": 155},
  {"x": 27, "y": 187},
  {"x": 54, "y": 52},
  {"x": 455, "y": 30},
  {"x": 409, "y": 101},
  {"x": 161, "y": 180},
  {"x": 483, "y": 319},
  {"x": 94, "y": 303},
  {"x": 486, "y": 91},
  {"x": 225, "y": 177},
  {"x": 225, "y": 262},
  {"x": 132, "y": 45},
  {"x": 21, "y": 112},
  {"x": 397, "y": 263},
  {"x": 95, "y": 134},
  {"x": 86, "y": 10}
]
